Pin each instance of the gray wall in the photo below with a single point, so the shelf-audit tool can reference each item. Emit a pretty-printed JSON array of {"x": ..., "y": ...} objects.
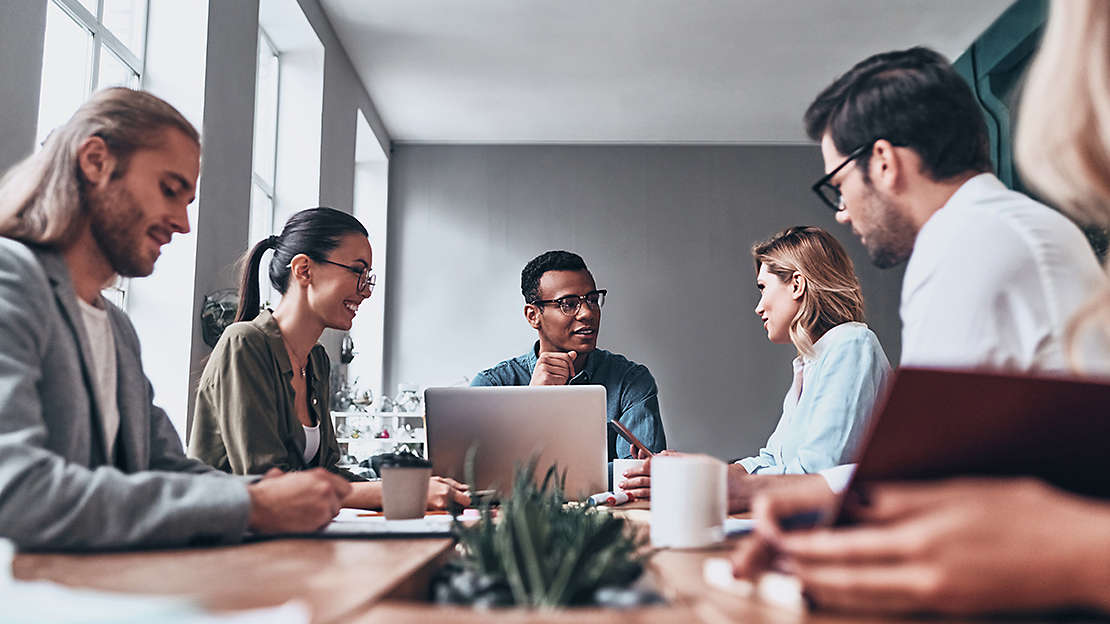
[
  {"x": 666, "y": 229},
  {"x": 22, "y": 31}
]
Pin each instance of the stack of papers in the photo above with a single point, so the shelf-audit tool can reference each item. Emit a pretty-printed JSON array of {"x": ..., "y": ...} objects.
[{"x": 362, "y": 523}]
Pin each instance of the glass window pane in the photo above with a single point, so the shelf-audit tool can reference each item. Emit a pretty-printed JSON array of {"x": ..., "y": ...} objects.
[
  {"x": 117, "y": 292},
  {"x": 262, "y": 214},
  {"x": 114, "y": 72},
  {"x": 126, "y": 19},
  {"x": 66, "y": 70},
  {"x": 265, "y": 111}
]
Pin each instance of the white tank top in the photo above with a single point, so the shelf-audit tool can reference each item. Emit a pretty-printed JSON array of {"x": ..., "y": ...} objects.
[{"x": 311, "y": 442}]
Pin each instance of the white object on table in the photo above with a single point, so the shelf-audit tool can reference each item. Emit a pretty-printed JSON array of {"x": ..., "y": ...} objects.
[
  {"x": 688, "y": 501},
  {"x": 620, "y": 466}
]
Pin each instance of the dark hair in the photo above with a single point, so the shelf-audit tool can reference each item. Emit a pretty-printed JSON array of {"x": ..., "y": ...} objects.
[
  {"x": 912, "y": 98},
  {"x": 313, "y": 232},
  {"x": 547, "y": 261}
]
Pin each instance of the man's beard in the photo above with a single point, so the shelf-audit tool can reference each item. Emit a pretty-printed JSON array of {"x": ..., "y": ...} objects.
[
  {"x": 890, "y": 240},
  {"x": 116, "y": 222}
]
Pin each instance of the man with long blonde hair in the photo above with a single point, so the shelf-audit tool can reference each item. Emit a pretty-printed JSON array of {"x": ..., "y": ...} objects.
[{"x": 86, "y": 459}]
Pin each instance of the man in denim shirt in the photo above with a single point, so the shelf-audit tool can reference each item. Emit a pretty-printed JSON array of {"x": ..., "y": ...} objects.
[{"x": 563, "y": 304}]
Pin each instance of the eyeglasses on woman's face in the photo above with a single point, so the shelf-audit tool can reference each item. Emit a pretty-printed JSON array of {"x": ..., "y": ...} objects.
[{"x": 366, "y": 276}]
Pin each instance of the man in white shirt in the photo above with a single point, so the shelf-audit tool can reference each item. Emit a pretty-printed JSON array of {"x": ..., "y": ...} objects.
[{"x": 993, "y": 276}]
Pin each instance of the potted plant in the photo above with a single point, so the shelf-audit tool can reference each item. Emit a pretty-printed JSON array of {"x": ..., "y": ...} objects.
[{"x": 540, "y": 552}]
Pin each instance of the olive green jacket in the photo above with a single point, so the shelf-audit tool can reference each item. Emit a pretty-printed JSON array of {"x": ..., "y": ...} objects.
[{"x": 244, "y": 421}]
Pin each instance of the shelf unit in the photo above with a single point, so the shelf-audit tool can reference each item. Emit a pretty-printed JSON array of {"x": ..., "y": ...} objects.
[{"x": 356, "y": 432}]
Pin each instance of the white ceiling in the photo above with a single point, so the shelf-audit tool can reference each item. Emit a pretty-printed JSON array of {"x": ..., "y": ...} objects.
[{"x": 635, "y": 71}]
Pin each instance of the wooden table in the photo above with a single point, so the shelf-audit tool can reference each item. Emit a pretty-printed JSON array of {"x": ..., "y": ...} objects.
[
  {"x": 336, "y": 578},
  {"x": 380, "y": 581}
]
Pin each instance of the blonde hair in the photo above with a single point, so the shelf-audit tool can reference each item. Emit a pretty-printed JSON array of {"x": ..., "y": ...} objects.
[
  {"x": 1063, "y": 140},
  {"x": 832, "y": 293},
  {"x": 41, "y": 198}
]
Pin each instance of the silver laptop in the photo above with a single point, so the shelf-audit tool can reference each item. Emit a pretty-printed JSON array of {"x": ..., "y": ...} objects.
[{"x": 563, "y": 425}]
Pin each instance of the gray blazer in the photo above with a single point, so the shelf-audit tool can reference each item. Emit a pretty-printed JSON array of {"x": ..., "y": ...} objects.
[{"x": 58, "y": 490}]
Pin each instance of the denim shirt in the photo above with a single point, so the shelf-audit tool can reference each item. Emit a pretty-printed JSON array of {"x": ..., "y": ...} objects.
[
  {"x": 827, "y": 409},
  {"x": 630, "y": 393}
]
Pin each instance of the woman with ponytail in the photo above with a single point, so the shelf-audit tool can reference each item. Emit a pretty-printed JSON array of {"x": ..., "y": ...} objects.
[{"x": 263, "y": 400}]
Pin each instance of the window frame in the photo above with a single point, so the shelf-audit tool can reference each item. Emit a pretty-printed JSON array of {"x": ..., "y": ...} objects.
[
  {"x": 103, "y": 37},
  {"x": 268, "y": 188}
]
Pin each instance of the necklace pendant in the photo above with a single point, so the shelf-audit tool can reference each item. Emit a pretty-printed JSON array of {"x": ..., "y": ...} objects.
[{"x": 302, "y": 371}]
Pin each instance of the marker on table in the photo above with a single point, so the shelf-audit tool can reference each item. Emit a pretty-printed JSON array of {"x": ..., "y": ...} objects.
[{"x": 610, "y": 498}]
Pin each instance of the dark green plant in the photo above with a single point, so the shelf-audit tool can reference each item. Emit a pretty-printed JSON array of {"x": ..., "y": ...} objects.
[{"x": 541, "y": 552}]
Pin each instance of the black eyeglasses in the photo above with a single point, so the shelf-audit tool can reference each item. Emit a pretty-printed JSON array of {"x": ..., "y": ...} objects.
[
  {"x": 571, "y": 303},
  {"x": 830, "y": 193},
  {"x": 366, "y": 276}
]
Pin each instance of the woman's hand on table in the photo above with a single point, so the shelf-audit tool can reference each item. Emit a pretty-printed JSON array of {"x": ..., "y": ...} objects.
[
  {"x": 959, "y": 547},
  {"x": 442, "y": 490}
]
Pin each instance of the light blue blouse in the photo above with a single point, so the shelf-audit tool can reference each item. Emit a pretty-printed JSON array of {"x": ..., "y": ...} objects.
[{"x": 827, "y": 409}]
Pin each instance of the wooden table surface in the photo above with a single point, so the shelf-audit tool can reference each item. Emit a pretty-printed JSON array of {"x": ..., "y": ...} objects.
[
  {"x": 380, "y": 581},
  {"x": 337, "y": 578}
]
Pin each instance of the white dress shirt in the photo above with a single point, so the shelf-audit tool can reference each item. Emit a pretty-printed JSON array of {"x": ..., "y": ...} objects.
[{"x": 993, "y": 281}]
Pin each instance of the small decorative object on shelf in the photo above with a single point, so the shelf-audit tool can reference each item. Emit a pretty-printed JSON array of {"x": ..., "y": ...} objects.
[
  {"x": 408, "y": 398},
  {"x": 347, "y": 350},
  {"x": 364, "y": 434}
]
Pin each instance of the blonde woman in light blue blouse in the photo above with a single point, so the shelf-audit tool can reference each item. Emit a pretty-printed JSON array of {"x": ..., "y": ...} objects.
[{"x": 810, "y": 297}]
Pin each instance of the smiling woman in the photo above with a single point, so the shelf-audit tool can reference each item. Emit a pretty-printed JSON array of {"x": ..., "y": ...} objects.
[{"x": 263, "y": 400}]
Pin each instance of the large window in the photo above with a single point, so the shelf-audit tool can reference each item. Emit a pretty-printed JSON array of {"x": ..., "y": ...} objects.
[
  {"x": 267, "y": 84},
  {"x": 265, "y": 138},
  {"x": 89, "y": 45}
]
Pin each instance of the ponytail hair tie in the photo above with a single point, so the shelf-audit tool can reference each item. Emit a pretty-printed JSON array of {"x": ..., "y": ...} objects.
[{"x": 272, "y": 241}]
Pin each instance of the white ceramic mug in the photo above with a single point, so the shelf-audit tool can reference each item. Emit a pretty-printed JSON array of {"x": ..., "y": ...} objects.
[
  {"x": 689, "y": 501},
  {"x": 619, "y": 468},
  {"x": 405, "y": 491}
]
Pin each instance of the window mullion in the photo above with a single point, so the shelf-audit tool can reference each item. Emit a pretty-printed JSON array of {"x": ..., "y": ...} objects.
[
  {"x": 95, "y": 82},
  {"x": 122, "y": 51},
  {"x": 79, "y": 13}
]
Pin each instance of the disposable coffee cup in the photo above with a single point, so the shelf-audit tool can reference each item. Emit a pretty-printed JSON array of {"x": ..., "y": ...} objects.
[
  {"x": 689, "y": 501},
  {"x": 405, "y": 481},
  {"x": 620, "y": 466}
]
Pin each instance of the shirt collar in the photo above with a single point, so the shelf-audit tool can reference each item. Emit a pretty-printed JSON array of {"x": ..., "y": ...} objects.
[{"x": 974, "y": 187}]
